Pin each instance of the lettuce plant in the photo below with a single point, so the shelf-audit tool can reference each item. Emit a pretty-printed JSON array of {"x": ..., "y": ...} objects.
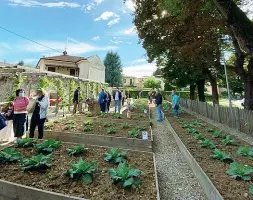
[
  {"x": 115, "y": 156},
  {"x": 88, "y": 122},
  {"x": 9, "y": 155},
  {"x": 198, "y": 123},
  {"x": 25, "y": 142},
  {"x": 82, "y": 170},
  {"x": 87, "y": 128},
  {"x": 217, "y": 134},
  {"x": 238, "y": 171},
  {"x": 77, "y": 150},
  {"x": 186, "y": 125},
  {"x": 116, "y": 115},
  {"x": 88, "y": 114},
  {"x": 207, "y": 143},
  {"x": 39, "y": 162},
  {"x": 251, "y": 191},
  {"x": 134, "y": 133},
  {"x": 222, "y": 156},
  {"x": 49, "y": 125},
  {"x": 125, "y": 176},
  {"x": 108, "y": 124},
  {"x": 210, "y": 130},
  {"x": 111, "y": 130},
  {"x": 199, "y": 136},
  {"x": 245, "y": 151},
  {"x": 141, "y": 128},
  {"x": 228, "y": 141},
  {"x": 103, "y": 115},
  {"x": 125, "y": 125},
  {"x": 47, "y": 146},
  {"x": 192, "y": 130}
]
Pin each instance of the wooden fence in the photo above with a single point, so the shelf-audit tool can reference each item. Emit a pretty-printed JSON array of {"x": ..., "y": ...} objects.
[{"x": 240, "y": 119}]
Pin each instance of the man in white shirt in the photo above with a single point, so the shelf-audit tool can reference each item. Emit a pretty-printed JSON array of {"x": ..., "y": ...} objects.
[{"x": 117, "y": 96}]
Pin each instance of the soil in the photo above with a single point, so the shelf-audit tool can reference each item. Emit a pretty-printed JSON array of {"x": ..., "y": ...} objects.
[
  {"x": 100, "y": 189},
  {"x": 99, "y": 129},
  {"x": 228, "y": 187}
]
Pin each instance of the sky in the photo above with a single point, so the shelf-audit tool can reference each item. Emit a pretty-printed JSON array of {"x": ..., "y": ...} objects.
[{"x": 83, "y": 27}]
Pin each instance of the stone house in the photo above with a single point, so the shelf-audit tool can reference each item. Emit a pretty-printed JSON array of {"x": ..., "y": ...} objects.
[{"x": 90, "y": 68}]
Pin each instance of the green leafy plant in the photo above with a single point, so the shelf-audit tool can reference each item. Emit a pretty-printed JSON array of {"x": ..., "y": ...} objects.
[
  {"x": 222, "y": 156},
  {"x": 186, "y": 125},
  {"x": 9, "y": 155},
  {"x": 228, "y": 141},
  {"x": 70, "y": 124},
  {"x": 25, "y": 142},
  {"x": 134, "y": 133},
  {"x": 192, "y": 130},
  {"x": 88, "y": 114},
  {"x": 87, "y": 128},
  {"x": 198, "y": 123},
  {"x": 103, "y": 115},
  {"x": 125, "y": 176},
  {"x": 108, "y": 124},
  {"x": 251, "y": 191},
  {"x": 238, "y": 171},
  {"x": 39, "y": 162},
  {"x": 76, "y": 150},
  {"x": 199, "y": 136},
  {"x": 217, "y": 134},
  {"x": 116, "y": 115},
  {"x": 115, "y": 156},
  {"x": 210, "y": 130},
  {"x": 141, "y": 128},
  {"x": 245, "y": 151},
  {"x": 207, "y": 143},
  {"x": 88, "y": 122},
  {"x": 111, "y": 130},
  {"x": 125, "y": 125},
  {"x": 47, "y": 146},
  {"x": 82, "y": 170},
  {"x": 49, "y": 125}
]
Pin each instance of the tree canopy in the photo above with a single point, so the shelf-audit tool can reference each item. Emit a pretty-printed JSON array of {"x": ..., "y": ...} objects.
[{"x": 152, "y": 83}]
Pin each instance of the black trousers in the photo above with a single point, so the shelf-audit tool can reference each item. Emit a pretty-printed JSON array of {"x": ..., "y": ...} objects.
[
  {"x": 20, "y": 124},
  {"x": 102, "y": 107},
  {"x": 36, "y": 121}
]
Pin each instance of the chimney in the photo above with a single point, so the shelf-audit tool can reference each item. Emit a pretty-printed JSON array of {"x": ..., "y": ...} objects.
[{"x": 65, "y": 53}]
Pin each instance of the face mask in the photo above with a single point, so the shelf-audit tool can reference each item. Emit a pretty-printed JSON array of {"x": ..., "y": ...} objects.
[{"x": 22, "y": 94}]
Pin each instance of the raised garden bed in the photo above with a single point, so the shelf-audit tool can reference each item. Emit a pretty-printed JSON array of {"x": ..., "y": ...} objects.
[
  {"x": 53, "y": 183},
  {"x": 188, "y": 129}
]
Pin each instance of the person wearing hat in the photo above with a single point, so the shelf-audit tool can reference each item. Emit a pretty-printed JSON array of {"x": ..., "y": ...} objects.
[
  {"x": 20, "y": 114},
  {"x": 40, "y": 113}
]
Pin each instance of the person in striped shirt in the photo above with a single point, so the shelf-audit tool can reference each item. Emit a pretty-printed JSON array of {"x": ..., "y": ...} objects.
[{"x": 20, "y": 114}]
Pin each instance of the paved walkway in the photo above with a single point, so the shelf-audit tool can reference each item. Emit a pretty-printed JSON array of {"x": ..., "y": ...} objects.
[{"x": 176, "y": 180}]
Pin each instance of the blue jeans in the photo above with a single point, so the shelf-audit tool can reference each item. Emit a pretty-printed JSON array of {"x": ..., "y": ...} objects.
[
  {"x": 117, "y": 106},
  {"x": 159, "y": 112},
  {"x": 175, "y": 111}
]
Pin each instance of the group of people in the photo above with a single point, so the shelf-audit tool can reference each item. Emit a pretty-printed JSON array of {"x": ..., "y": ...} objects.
[
  {"x": 159, "y": 101},
  {"x": 17, "y": 111}
]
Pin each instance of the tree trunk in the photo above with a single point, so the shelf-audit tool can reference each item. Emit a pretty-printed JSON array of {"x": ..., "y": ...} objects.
[
  {"x": 192, "y": 91},
  {"x": 201, "y": 90},
  {"x": 213, "y": 81},
  {"x": 238, "y": 22},
  {"x": 248, "y": 104}
]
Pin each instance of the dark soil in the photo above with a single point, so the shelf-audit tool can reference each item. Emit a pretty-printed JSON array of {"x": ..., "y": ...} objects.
[
  {"x": 98, "y": 128},
  {"x": 101, "y": 187},
  {"x": 228, "y": 187}
]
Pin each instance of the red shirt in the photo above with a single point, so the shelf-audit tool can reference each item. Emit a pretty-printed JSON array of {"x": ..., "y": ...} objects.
[{"x": 20, "y": 104}]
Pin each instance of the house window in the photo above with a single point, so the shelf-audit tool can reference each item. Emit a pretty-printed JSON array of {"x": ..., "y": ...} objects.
[
  {"x": 51, "y": 69},
  {"x": 72, "y": 72},
  {"x": 131, "y": 81}
]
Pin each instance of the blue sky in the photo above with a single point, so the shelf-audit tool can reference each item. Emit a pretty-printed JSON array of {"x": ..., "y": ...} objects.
[{"x": 90, "y": 27}]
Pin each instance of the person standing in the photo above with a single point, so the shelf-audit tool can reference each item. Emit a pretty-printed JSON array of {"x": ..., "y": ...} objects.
[
  {"x": 20, "y": 114},
  {"x": 123, "y": 97},
  {"x": 108, "y": 101},
  {"x": 175, "y": 103},
  {"x": 159, "y": 101},
  {"x": 117, "y": 96},
  {"x": 39, "y": 114},
  {"x": 76, "y": 99},
  {"x": 102, "y": 100},
  {"x": 140, "y": 94}
]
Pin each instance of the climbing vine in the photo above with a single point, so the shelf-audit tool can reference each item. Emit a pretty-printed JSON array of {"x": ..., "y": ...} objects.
[
  {"x": 16, "y": 83},
  {"x": 71, "y": 89}
]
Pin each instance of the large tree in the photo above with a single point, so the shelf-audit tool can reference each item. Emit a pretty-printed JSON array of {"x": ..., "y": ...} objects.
[
  {"x": 113, "y": 69},
  {"x": 152, "y": 83}
]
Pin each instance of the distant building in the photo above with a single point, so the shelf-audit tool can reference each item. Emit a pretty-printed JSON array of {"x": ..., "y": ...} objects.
[{"x": 87, "y": 68}]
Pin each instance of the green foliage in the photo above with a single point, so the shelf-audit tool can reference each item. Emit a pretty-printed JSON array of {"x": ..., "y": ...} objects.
[
  {"x": 88, "y": 114},
  {"x": 199, "y": 124},
  {"x": 16, "y": 83},
  {"x": 88, "y": 122},
  {"x": 152, "y": 83},
  {"x": 217, "y": 134},
  {"x": 167, "y": 106},
  {"x": 116, "y": 115},
  {"x": 125, "y": 176},
  {"x": 108, "y": 124},
  {"x": 251, "y": 191},
  {"x": 115, "y": 156},
  {"x": 222, "y": 156},
  {"x": 192, "y": 130},
  {"x": 113, "y": 69},
  {"x": 207, "y": 143},
  {"x": 141, "y": 128},
  {"x": 125, "y": 125},
  {"x": 87, "y": 128},
  {"x": 238, "y": 171},
  {"x": 134, "y": 133},
  {"x": 199, "y": 136},
  {"x": 186, "y": 125},
  {"x": 103, "y": 115},
  {"x": 9, "y": 155},
  {"x": 43, "y": 82},
  {"x": 228, "y": 141},
  {"x": 71, "y": 90},
  {"x": 76, "y": 150},
  {"x": 39, "y": 162},
  {"x": 82, "y": 171},
  {"x": 21, "y": 63},
  {"x": 25, "y": 142},
  {"x": 140, "y": 104},
  {"x": 245, "y": 151},
  {"x": 111, "y": 130},
  {"x": 47, "y": 146},
  {"x": 70, "y": 124},
  {"x": 49, "y": 125}
]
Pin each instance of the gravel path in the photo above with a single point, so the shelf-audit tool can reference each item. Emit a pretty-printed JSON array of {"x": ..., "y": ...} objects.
[{"x": 176, "y": 180}]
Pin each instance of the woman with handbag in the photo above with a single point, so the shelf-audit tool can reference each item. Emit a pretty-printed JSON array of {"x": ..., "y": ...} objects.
[
  {"x": 39, "y": 114},
  {"x": 20, "y": 114}
]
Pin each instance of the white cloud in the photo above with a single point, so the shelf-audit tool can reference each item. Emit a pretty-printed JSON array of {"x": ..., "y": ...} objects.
[
  {"x": 118, "y": 41},
  {"x": 98, "y": 1},
  {"x": 130, "y": 5},
  {"x": 96, "y": 38},
  {"x": 33, "y": 3},
  {"x": 130, "y": 31},
  {"x": 139, "y": 70},
  {"x": 29, "y": 60},
  {"x": 247, "y": 7},
  {"x": 114, "y": 21},
  {"x": 139, "y": 61},
  {"x": 5, "y": 45},
  {"x": 106, "y": 16}
]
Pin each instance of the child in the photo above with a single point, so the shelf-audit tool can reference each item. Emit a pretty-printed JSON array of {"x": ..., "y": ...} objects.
[{"x": 9, "y": 112}]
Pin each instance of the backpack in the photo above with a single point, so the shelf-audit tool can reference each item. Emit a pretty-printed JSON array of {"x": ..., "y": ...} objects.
[{"x": 2, "y": 122}]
